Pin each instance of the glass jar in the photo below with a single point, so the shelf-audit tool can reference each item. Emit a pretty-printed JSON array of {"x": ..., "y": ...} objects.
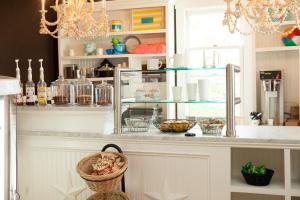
[
  {"x": 61, "y": 91},
  {"x": 104, "y": 94},
  {"x": 84, "y": 91}
]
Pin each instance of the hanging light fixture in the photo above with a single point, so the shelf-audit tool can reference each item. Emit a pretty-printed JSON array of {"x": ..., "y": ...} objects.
[
  {"x": 263, "y": 16},
  {"x": 75, "y": 19}
]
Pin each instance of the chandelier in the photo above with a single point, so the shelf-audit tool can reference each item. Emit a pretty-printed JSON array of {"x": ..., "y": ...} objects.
[
  {"x": 262, "y": 16},
  {"x": 75, "y": 19}
]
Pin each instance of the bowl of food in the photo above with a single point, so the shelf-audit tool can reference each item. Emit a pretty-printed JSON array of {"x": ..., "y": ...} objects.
[
  {"x": 211, "y": 126},
  {"x": 138, "y": 124},
  {"x": 175, "y": 125}
]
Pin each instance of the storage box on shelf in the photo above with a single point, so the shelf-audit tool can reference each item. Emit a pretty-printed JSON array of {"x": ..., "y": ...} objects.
[
  {"x": 271, "y": 158},
  {"x": 272, "y": 54},
  {"x": 122, "y": 12}
]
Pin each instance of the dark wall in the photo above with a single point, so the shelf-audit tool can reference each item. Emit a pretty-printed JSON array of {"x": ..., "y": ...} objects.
[{"x": 20, "y": 38}]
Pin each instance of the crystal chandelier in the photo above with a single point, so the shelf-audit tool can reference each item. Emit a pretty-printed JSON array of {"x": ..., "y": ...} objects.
[
  {"x": 260, "y": 15},
  {"x": 75, "y": 19}
]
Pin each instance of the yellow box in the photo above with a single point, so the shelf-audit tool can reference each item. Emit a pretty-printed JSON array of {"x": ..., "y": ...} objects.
[{"x": 147, "y": 19}]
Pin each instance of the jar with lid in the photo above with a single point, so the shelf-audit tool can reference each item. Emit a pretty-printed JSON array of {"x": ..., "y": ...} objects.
[
  {"x": 61, "y": 91},
  {"x": 104, "y": 94},
  {"x": 84, "y": 91}
]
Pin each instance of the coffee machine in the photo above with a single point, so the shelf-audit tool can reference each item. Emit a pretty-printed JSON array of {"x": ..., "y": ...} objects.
[{"x": 272, "y": 97}]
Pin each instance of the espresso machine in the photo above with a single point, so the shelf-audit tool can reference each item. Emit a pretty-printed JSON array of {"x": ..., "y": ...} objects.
[{"x": 272, "y": 97}]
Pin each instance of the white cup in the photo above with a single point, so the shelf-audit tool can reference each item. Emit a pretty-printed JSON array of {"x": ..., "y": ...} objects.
[
  {"x": 178, "y": 60},
  {"x": 270, "y": 122},
  {"x": 71, "y": 52},
  {"x": 177, "y": 93},
  {"x": 99, "y": 51},
  {"x": 153, "y": 64},
  {"x": 203, "y": 85},
  {"x": 192, "y": 91}
]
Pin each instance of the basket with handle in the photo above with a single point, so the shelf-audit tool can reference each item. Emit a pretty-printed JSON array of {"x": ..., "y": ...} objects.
[{"x": 105, "y": 183}]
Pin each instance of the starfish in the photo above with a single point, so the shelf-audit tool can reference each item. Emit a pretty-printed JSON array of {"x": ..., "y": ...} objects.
[
  {"x": 72, "y": 192},
  {"x": 165, "y": 194}
]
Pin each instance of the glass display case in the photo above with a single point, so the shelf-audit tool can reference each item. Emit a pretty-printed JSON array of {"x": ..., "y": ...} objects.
[{"x": 174, "y": 100}]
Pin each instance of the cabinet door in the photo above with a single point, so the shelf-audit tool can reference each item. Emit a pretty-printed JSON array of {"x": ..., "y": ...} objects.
[{"x": 200, "y": 175}]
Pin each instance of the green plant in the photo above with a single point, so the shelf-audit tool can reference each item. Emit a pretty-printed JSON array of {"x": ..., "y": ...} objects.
[{"x": 249, "y": 168}]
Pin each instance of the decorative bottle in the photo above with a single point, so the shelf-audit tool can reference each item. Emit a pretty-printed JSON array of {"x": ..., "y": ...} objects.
[
  {"x": 19, "y": 97},
  {"x": 42, "y": 87},
  {"x": 30, "y": 87}
]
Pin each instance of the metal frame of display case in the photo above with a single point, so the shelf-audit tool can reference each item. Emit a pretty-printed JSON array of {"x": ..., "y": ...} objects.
[{"x": 231, "y": 100}]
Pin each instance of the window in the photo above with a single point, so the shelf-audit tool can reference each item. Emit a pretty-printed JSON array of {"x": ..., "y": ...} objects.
[{"x": 207, "y": 42}]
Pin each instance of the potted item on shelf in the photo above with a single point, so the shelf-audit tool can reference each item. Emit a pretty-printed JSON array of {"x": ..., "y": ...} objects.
[
  {"x": 84, "y": 91},
  {"x": 104, "y": 94},
  {"x": 257, "y": 175},
  {"x": 61, "y": 91},
  {"x": 255, "y": 118},
  {"x": 174, "y": 125},
  {"x": 211, "y": 126},
  {"x": 106, "y": 69}
]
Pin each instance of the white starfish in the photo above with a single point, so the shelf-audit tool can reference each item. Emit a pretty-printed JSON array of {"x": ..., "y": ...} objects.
[
  {"x": 165, "y": 194},
  {"x": 72, "y": 192}
]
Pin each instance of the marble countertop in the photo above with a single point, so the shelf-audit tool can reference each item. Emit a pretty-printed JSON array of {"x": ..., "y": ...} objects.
[
  {"x": 9, "y": 85},
  {"x": 245, "y": 135}
]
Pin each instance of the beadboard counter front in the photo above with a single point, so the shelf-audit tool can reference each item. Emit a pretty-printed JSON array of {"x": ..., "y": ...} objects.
[{"x": 164, "y": 166}]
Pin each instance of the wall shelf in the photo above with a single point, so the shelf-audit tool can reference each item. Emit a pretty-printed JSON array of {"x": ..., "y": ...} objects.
[
  {"x": 159, "y": 31},
  {"x": 277, "y": 49},
  {"x": 239, "y": 185},
  {"x": 112, "y": 56}
]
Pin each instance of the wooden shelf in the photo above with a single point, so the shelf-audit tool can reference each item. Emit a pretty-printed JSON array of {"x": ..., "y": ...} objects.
[
  {"x": 287, "y": 23},
  {"x": 240, "y": 186},
  {"x": 277, "y": 49},
  {"x": 112, "y": 56},
  {"x": 137, "y": 32}
]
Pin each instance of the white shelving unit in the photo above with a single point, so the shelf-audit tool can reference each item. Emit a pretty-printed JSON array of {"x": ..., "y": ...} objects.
[
  {"x": 285, "y": 183},
  {"x": 121, "y": 10},
  {"x": 271, "y": 54}
]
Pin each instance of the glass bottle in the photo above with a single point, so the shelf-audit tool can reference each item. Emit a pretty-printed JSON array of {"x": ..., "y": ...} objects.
[
  {"x": 30, "y": 87},
  {"x": 61, "y": 91},
  {"x": 19, "y": 97},
  {"x": 84, "y": 90},
  {"x": 42, "y": 87},
  {"x": 104, "y": 94}
]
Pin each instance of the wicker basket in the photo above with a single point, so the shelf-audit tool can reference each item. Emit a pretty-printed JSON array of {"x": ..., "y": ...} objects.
[
  {"x": 105, "y": 183},
  {"x": 109, "y": 196}
]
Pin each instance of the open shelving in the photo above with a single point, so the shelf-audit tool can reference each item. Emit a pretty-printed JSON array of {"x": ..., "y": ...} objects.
[
  {"x": 295, "y": 172},
  {"x": 244, "y": 196}
]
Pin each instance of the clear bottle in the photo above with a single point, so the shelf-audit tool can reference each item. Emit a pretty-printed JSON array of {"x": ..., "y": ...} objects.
[
  {"x": 84, "y": 90},
  {"x": 30, "y": 87},
  {"x": 104, "y": 94},
  {"x": 19, "y": 97},
  {"x": 42, "y": 87}
]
